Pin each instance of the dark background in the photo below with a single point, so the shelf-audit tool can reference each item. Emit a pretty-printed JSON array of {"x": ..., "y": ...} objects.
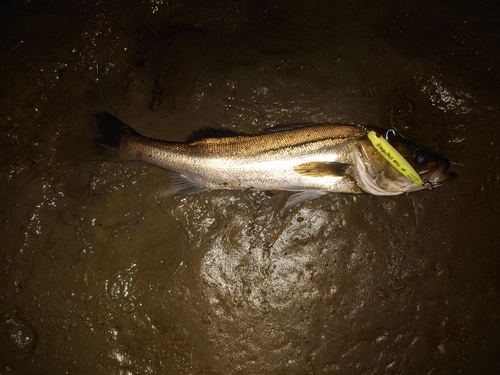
[{"x": 100, "y": 273}]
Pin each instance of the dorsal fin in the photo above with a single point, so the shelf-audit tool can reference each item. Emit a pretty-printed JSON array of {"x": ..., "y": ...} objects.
[
  {"x": 285, "y": 127},
  {"x": 335, "y": 130}
]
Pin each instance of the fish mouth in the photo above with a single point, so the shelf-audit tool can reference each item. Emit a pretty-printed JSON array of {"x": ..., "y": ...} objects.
[{"x": 438, "y": 177}]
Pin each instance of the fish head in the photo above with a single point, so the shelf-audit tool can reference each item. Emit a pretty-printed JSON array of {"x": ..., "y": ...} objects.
[{"x": 377, "y": 176}]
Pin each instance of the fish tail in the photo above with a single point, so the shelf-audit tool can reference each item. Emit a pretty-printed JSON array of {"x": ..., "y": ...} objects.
[{"x": 112, "y": 133}]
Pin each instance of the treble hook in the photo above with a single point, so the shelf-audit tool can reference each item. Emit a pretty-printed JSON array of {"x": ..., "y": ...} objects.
[
  {"x": 387, "y": 134},
  {"x": 429, "y": 184}
]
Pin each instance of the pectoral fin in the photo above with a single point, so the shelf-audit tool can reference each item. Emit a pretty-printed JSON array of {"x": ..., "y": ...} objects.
[{"x": 320, "y": 169}]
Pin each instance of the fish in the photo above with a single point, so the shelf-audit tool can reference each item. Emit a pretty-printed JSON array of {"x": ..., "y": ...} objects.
[{"x": 311, "y": 160}]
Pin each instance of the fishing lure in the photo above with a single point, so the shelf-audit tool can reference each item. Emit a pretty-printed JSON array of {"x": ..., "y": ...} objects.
[{"x": 393, "y": 156}]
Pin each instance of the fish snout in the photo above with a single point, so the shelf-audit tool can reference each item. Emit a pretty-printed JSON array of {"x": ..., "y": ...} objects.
[
  {"x": 445, "y": 178},
  {"x": 439, "y": 177}
]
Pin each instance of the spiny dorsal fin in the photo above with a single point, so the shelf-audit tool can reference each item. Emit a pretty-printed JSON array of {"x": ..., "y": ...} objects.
[
  {"x": 342, "y": 129},
  {"x": 285, "y": 127}
]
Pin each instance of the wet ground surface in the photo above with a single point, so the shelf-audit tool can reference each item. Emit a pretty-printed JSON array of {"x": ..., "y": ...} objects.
[{"x": 101, "y": 274}]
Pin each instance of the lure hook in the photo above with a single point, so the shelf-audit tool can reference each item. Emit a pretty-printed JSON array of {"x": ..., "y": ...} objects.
[
  {"x": 428, "y": 184},
  {"x": 387, "y": 134}
]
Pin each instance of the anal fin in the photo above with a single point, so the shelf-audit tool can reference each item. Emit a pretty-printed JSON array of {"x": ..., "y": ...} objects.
[{"x": 182, "y": 185}]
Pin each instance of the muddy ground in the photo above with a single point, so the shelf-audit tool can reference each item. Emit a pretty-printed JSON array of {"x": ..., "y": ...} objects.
[{"x": 102, "y": 274}]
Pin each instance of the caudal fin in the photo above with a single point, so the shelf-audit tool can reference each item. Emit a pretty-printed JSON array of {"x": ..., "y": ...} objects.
[{"x": 112, "y": 132}]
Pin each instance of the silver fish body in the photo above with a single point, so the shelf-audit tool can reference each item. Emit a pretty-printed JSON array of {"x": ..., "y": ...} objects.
[{"x": 311, "y": 160}]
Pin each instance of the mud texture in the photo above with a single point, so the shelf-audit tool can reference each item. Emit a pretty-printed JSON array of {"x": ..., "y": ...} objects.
[{"x": 101, "y": 274}]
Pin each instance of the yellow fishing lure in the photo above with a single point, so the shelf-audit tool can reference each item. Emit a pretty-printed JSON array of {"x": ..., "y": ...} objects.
[{"x": 394, "y": 157}]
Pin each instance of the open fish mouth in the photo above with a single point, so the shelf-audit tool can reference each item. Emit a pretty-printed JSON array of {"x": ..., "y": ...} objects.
[{"x": 438, "y": 178}]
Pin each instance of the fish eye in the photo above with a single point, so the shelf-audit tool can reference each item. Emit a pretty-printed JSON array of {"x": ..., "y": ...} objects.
[{"x": 420, "y": 158}]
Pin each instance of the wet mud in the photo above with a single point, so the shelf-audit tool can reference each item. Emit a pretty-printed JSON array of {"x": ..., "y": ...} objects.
[{"x": 103, "y": 274}]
